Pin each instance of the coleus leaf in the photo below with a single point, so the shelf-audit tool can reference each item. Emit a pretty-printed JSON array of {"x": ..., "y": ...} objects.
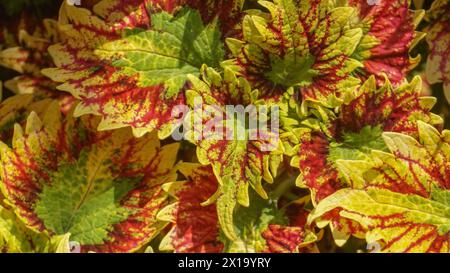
[
  {"x": 195, "y": 226},
  {"x": 134, "y": 74},
  {"x": 297, "y": 120},
  {"x": 168, "y": 52},
  {"x": 86, "y": 76},
  {"x": 252, "y": 225},
  {"x": 352, "y": 135},
  {"x": 295, "y": 235},
  {"x": 228, "y": 12},
  {"x": 401, "y": 198},
  {"x": 357, "y": 130},
  {"x": 30, "y": 57},
  {"x": 62, "y": 176},
  {"x": 289, "y": 239},
  {"x": 238, "y": 158},
  {"x": 123, "y": 13},
  {"x": 16, "y": 238},
  {"x": 264, "y": 227},
  {"x": 301, "y": 44},
  {"x": 16, "y": 109},
  {"x": 26, "y": 84},
  {"x": 404, "y": 223},
  {"x": 438, "y": 38},
  {"x": 411, "y": 167},
  {"x": 388, "y": 37},
  {"x": 260, "y": 227},
  {"x": 11, "y": 27}
]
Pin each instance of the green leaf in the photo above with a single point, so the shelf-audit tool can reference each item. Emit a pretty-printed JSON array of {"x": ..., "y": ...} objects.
[
  {"x": 357, "y": 146},
  {"x": 265, "y": 227},
  {"x": 250, "y": 223},
  {"x": 87, "y": 210},
  {"x": 291, "y": 71},
  {"x": 174, "y": 47}
]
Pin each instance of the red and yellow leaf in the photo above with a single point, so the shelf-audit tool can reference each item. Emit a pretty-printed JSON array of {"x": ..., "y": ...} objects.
[
  {"x": 264, "y": 227},
  {"x": 388, "y": 37},
  {"x": 302, "y": 44},
  {"x": 438, "y": 38},
  {"x": 195, "y": 226},
  {"x": 238, "y": 158},
  {"x": 135, "y": 72},
  {"x": 288, "y": 239},
  {"x": 400, "y": 198},
  {"x": 16, "y": 238},
  {"x": 61, "y": 176},
  {"x": 399, "y": 222},
  {"x": 17, "y": 108},
  {"x": 296, "y": 236},
  {"x": 29, "y": 58},
  {"x": 352, "y": 135},
  {"x": 357, "y": 130}
]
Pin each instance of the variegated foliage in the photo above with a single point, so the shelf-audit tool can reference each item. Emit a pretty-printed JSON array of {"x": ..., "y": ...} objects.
[
  {"x": 104, "y": 189},
  {"x": 400, "y": 198},
  {"x": 344, "y": 142},
  {"x": 438, "y": 38}
]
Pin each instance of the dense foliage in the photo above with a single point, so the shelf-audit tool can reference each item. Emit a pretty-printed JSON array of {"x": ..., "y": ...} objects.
[{"x": 359, "y": 160}]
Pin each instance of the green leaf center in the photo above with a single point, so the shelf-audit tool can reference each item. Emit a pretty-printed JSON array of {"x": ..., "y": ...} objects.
[
  {"x": 291, "y": 70},
  {"x": 83, "y": 199},
  {"x": 357, "y": 146}
]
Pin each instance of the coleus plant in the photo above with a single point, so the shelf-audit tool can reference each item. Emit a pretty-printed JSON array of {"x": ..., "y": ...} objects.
[
  {"x": 437, "y": 69},
  {"x": 116, "y": 181},
  {"x": 350, "y": 147}
]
